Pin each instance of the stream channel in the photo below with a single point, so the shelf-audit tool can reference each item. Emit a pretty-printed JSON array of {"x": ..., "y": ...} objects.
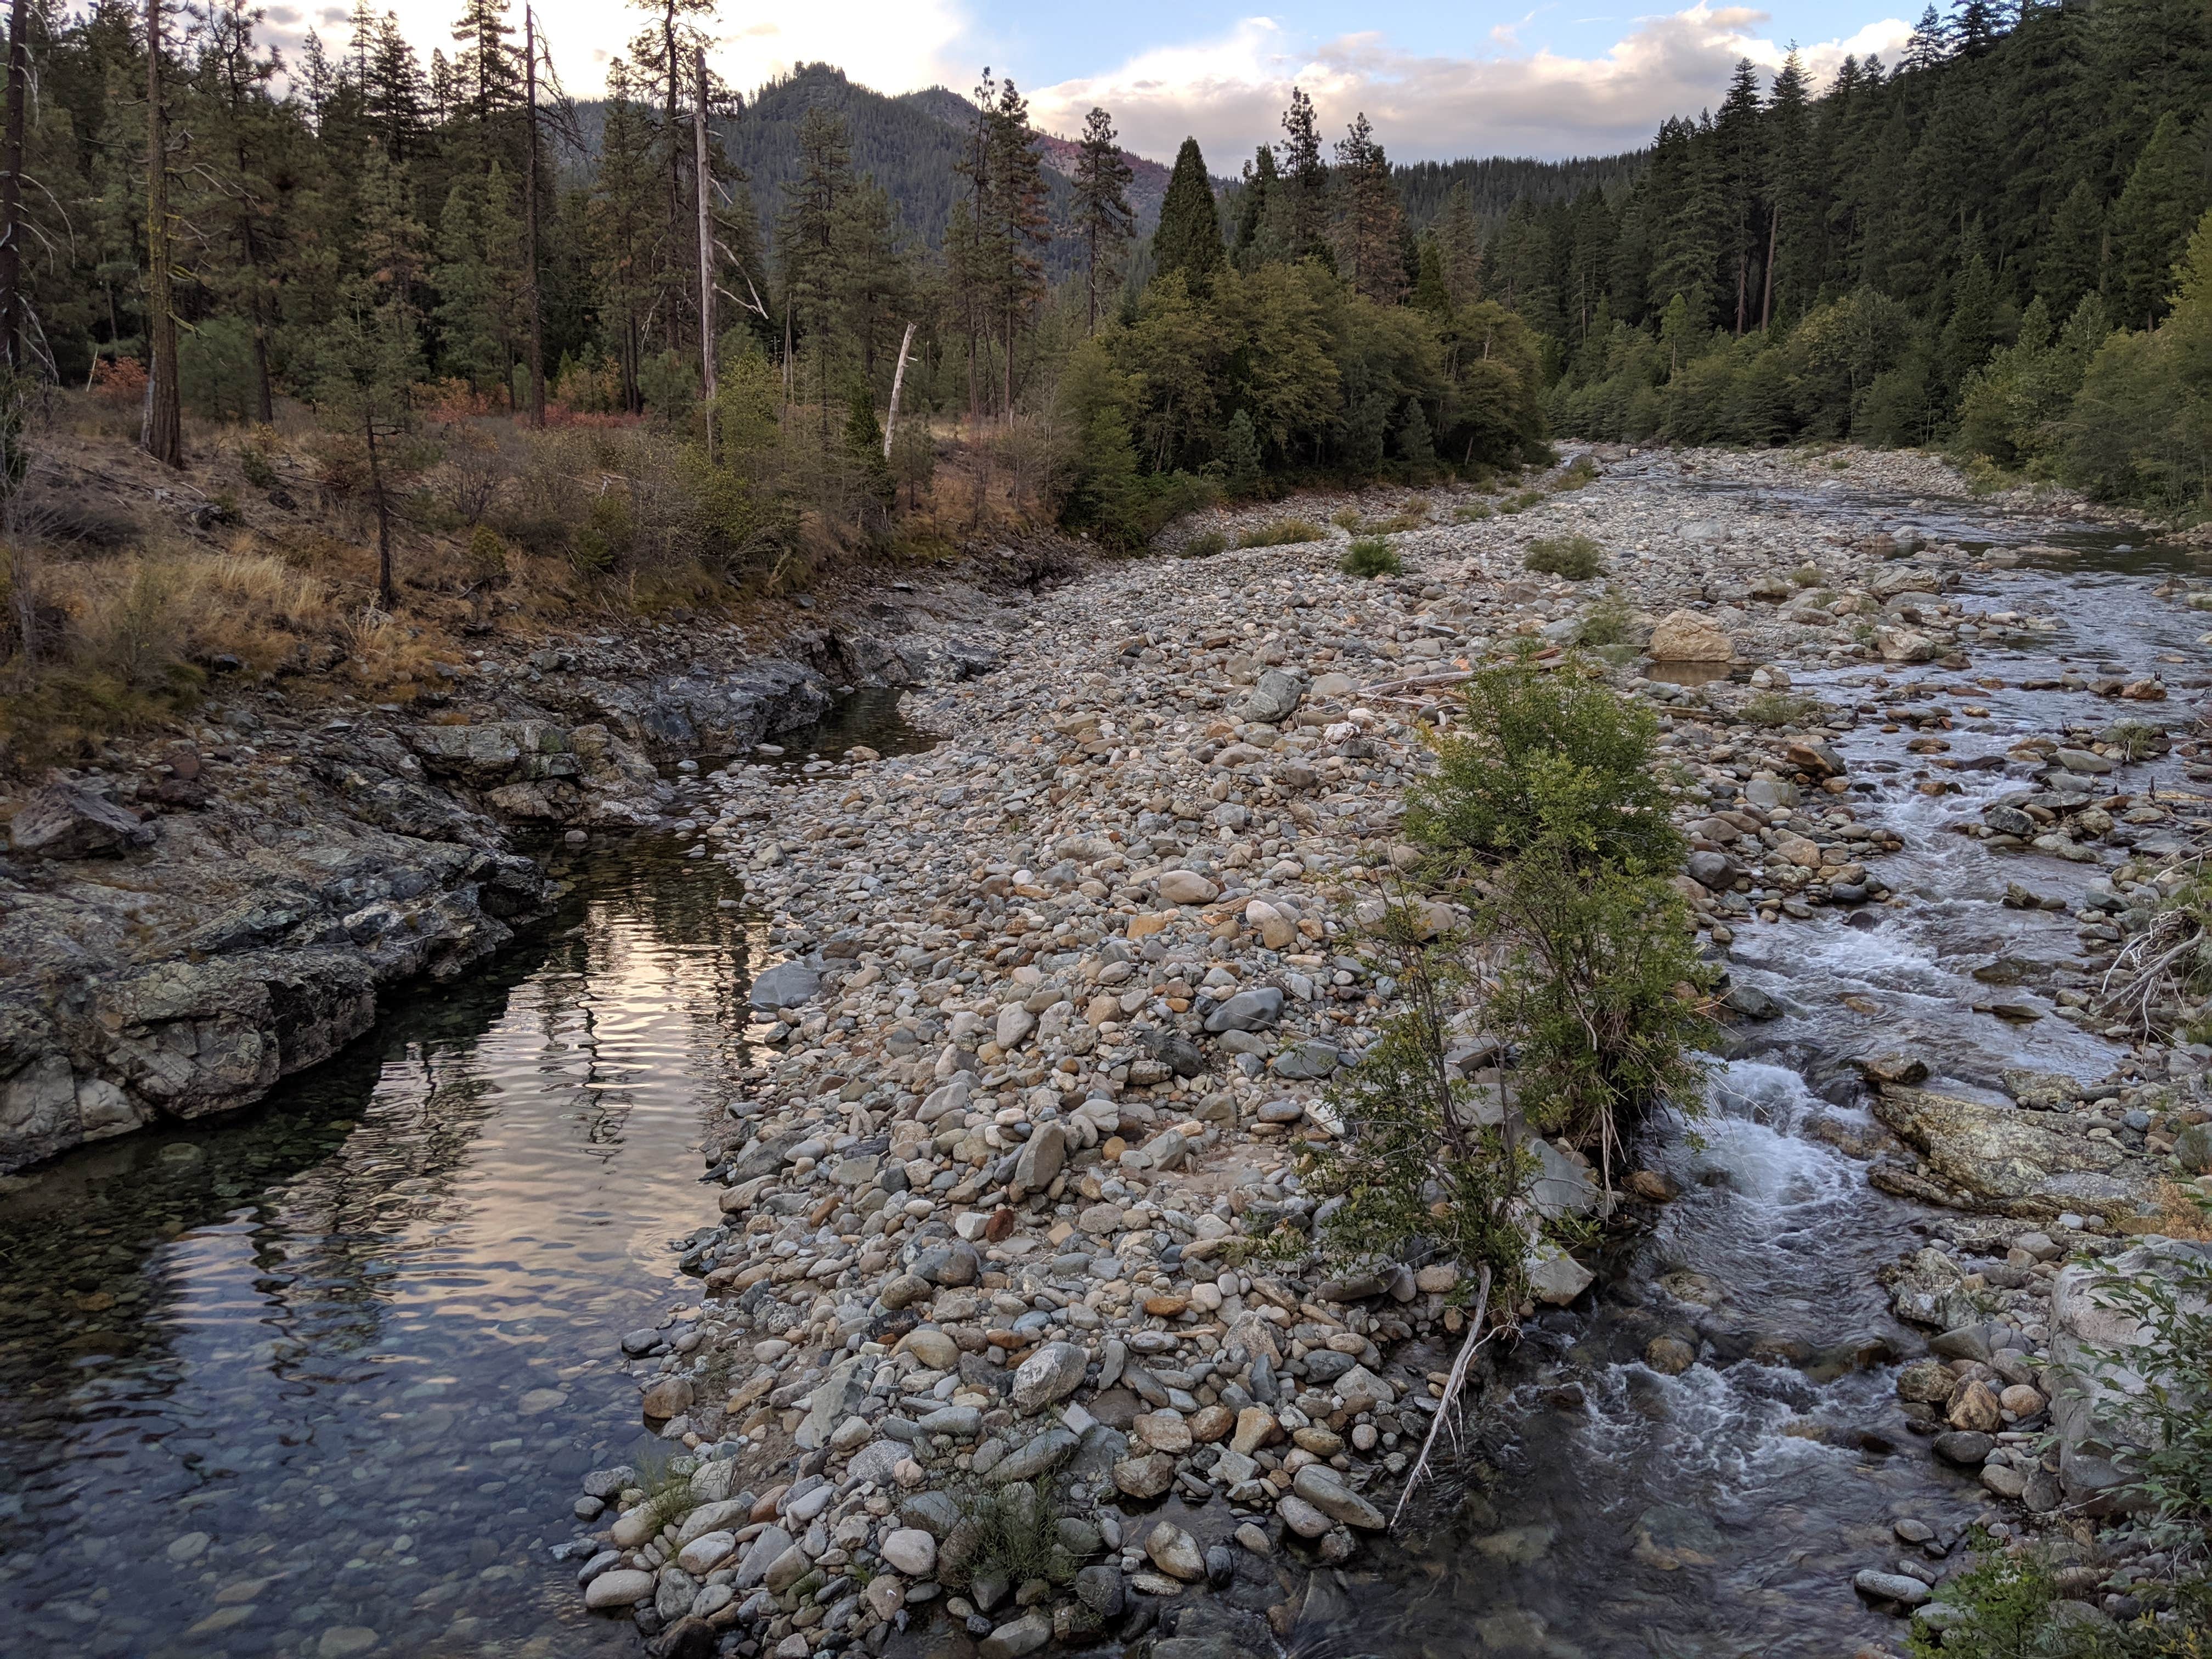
[{"x": 319, "y": 1379}]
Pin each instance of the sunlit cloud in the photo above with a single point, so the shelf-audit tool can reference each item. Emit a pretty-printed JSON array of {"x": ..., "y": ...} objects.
[{"x": 1229, "y": 93}]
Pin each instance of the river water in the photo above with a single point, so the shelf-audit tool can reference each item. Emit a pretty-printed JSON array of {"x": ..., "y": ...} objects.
[
  {"x": 320, "y": 1379},
  {"x": 1609, "y": 1509}
]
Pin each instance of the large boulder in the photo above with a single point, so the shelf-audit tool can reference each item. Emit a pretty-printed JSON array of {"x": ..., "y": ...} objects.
[
  {"x": 2004, "y": 1161},
  {"x": 1687, "y": 636},
  {"x": 2096, "y": 1404},
  {"x": 61, "y": 821}
]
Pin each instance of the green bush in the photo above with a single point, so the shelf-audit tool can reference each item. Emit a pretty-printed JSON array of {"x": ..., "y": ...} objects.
[
  {"x": 1610, "y": 621},
  {"x": 1283, "y": 533},
  {"x": 1576, "y": 558},
  {"x": 1204, "y": 546},
  {"x": 1370, "y": 556},
  {"x": 487, "y": 555},
  {"x": 257, "y": 469},
  {"x": 1473, "y": 513},
  {"x": 1545, "y": 821}
]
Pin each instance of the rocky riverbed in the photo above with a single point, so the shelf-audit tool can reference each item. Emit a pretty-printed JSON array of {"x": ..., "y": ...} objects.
[{"x": 975, "y": 1348}]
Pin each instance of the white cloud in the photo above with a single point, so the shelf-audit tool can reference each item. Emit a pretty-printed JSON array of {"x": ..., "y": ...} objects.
[{"x": 1229, "y": 92}]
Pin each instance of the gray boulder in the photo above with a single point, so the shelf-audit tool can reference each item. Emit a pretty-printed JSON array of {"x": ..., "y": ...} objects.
[
  {"x": 787, "y": 985},
  {"x": 61, "y": 821}
]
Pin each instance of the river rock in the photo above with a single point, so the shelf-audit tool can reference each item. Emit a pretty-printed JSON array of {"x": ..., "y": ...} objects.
[
  {"x": 1175, "y": 1553},
  {"x": 1050, "y": 1374},
  {"x": 1891, "y": 1587},
  {"x": 1319, "y": 1486},
  {"x": 1685, "y": 636},
  {"x": 623, "y": 1587},
  {"x": 2005, "y": 1164},
  {"x": 787, "y": 985},
  {"x": 909, "y": 1550}
]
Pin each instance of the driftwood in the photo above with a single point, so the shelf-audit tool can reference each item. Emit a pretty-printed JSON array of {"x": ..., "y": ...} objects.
[{"x": 1475, "y": 1337}]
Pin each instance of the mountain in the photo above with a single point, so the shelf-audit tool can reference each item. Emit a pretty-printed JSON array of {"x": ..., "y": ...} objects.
[{"x": 912, "y": 145}]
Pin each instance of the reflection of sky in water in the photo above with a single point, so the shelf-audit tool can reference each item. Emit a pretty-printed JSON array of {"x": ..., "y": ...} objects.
[{"x": 359, "y": 1339}]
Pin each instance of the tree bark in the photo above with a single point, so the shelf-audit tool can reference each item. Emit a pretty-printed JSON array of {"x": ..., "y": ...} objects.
[
  {"x": 11, "y": 191},
  {"x": 898, "y": 379},
  {"x": 705, "y": 182},
  {"x": 387, "y": 592},
  {"x": 530, "y": 297},
  {"x": 1766, "y": 300},
  {"x": 161, "y": 435}
]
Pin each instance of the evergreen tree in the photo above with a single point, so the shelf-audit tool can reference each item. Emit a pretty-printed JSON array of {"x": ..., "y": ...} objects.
[
  {"x": 1459, "y": 247},
  {"x": 1188, "y": 238},
  {"x": 1305, "y": 180},
  {"x": 2151, "y": 222},
  {"x": 1369, "y": 221},
  {"x": 1102, "y": 215},
  {"x": 2071, "y": 260},
  {"x": 1261, "y": 183}
]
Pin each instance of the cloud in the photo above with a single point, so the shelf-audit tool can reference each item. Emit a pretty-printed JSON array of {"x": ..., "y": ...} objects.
[{"x": 1229, "y": 92}]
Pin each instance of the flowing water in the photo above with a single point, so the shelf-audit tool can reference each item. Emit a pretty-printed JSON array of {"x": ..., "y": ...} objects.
[
  {"x": 1723, "y": 1511},
  {"x": 319, "y": 1379}
]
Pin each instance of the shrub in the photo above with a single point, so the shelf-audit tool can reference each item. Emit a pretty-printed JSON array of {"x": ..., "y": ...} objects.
[
  {"x": 1545, "y": 821},
  {"x": 2135, "y": 739},
  {"x": 1576, "y": 558},
  {"x": 1546, "y": 757},
  {"x": 257, "y": 469},
  {"x": 1523, "y": 501},
  {"x": 1473, "y": 513},
  {"x": 1204, "y": 546},
  {"x": 1806, "y": 575},
  {"x": 486, "y": 559},
  {"x": 1370, "y": 556},
  {"x": 1283, "y": 533},
  {"x": 1010, "y": 1532},
  {"x": 1610, "y": 621}
]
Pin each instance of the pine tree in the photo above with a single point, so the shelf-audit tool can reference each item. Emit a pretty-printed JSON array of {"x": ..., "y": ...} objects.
[
  {"x": 622, "y": 217},
  {"x": 1305, "y": 177},
  {"x": 1739, "y": 175},
  {"x": 1103, "y": 218},
  {"x": 1369, "y": 221},
  {"x": 1260, "y": 183},
  {"x": 2071, "y": 262},
  {"x": 1794, "y": 201},
  {"x": 2152, "y": 221},
  {"x": 1188, "y": 238},
  {"x": 486, "y": 63},
  {"x": 1459, "y": 245},
  {"x": 370, "y": 354}
]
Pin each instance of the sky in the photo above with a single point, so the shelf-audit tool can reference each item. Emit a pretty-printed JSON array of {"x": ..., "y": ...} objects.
[{"x": 1438, "y": 81}]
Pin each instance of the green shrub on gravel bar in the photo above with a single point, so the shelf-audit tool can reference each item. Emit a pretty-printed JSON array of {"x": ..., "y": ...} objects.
[
  {"x": 1283, "y": 533},
  {"x": 1577, "y": 558},
  {"x": 1370, "y": 556}
]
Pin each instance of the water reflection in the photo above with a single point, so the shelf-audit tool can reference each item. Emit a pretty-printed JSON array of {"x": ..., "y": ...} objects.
[{"x": 317, "y": 1379}]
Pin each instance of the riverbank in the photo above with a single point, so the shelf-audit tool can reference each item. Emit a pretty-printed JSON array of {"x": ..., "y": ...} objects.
[
  {"x": 1063, "y": 995},
  {"x": 199, "y": 916}
]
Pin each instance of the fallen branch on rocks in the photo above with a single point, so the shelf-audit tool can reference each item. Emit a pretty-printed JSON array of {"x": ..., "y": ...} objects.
[{"x": 1475, "y": 1337}]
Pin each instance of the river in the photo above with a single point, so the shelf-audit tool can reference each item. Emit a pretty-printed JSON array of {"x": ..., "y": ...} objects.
[{"x": 320, "y": 1379}]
